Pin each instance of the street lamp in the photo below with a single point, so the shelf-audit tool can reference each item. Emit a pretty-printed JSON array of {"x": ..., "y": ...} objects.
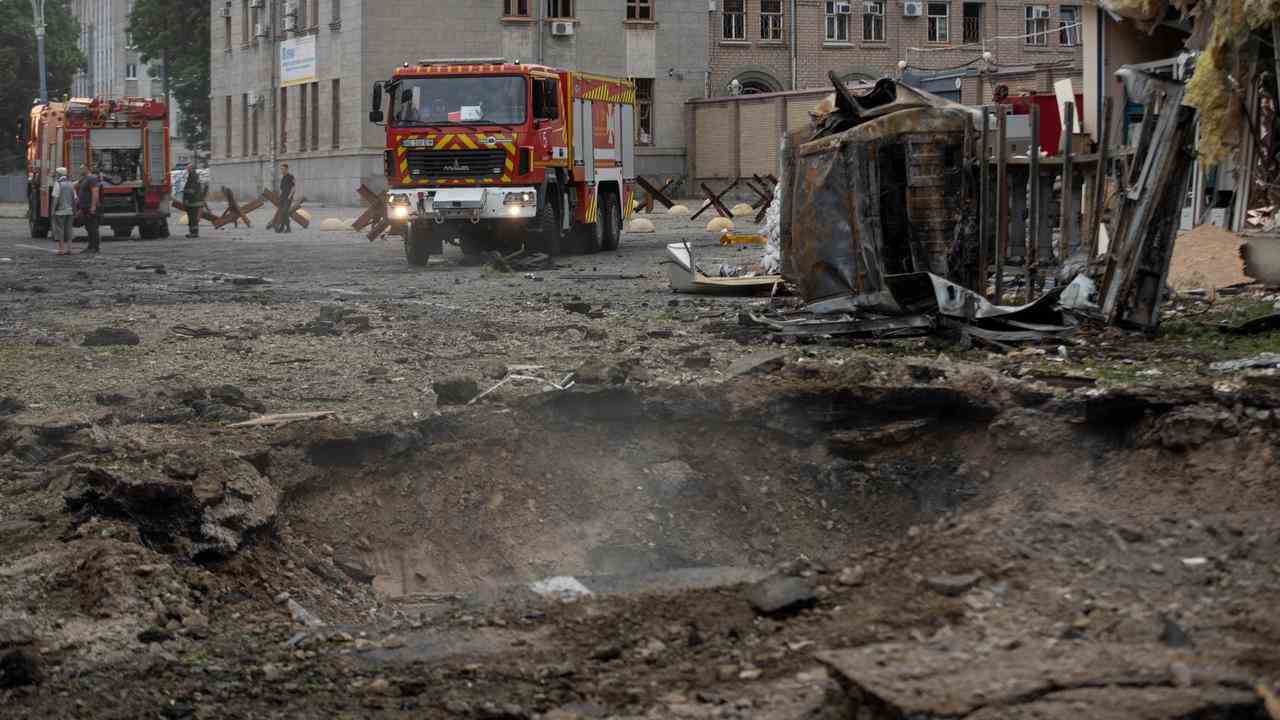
[{"x": 37, "y": 7}]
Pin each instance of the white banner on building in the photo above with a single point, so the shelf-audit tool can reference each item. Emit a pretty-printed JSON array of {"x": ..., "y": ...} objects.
[{"x": 298, "y": 61}]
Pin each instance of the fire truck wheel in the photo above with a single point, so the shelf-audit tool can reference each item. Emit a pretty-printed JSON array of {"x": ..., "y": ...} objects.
[
  {"x": 39, "y": 228},
  {"x": 123, "y": 231},
  {"x": 416, "y": 248},
  {"x": 549, "y": 224},
  {"x": 609, "y": 219}
]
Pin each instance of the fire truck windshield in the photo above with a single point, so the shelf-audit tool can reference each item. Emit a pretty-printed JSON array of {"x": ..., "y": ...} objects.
[{"x": 469, "y": 100}]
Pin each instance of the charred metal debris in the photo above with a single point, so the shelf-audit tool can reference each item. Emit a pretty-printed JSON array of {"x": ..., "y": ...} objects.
[{"x": 903, "y": 214}]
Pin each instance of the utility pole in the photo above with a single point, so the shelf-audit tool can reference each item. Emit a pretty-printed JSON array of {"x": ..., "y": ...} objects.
[{"x": 37, "y": 7}]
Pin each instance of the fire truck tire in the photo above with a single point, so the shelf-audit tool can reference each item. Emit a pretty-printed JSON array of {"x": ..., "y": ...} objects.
[
  {"x": 609, "y": 220},
  {"x": 39, "y": 228},
  {"x": 417, "y": 248},
  {"x": 120, "y": 232},
  {"x": 548, "y": 225}
]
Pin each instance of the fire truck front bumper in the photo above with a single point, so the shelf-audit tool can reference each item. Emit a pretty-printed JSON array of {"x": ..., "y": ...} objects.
[{"x": 471, "y": 203}]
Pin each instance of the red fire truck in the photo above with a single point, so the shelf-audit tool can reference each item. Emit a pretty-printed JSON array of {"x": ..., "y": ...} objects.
[
  {"x": 125, "y": 142},
  {"x": 496, "y": 154}
]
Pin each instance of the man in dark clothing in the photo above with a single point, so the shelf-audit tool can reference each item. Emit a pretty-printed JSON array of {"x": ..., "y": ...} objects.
[
  {"x": 193, "y": 198},
  {"x": 88, "y": 199},
  {"x": 287, "y": 183}
]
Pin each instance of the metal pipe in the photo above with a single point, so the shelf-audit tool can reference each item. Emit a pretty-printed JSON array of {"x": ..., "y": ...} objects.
[
  {"x": 540, "y": 16},
  {"x": 272, "y": 94},
  {"x": 795, "y": 71},
  {"x": 37, "y": 7}
]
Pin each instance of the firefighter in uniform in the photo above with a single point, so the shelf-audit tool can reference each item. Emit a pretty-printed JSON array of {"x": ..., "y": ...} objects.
[{"x": 193, "y": 198}]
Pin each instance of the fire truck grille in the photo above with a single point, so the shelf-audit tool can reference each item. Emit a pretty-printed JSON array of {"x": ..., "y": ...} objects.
[{"x": 430, "y": 164}]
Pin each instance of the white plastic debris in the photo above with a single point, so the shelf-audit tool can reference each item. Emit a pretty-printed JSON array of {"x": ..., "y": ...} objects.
[
  {"x": 772, "y": 261},
  {"x": 563, "y": 588}
]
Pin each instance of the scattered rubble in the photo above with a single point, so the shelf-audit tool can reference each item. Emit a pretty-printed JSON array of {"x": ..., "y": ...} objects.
[{"x": 110, "y": 336}]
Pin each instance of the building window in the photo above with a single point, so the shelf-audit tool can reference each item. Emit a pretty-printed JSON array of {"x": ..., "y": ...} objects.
[
  {"x": 228, "y": 129},
  {"x": 255, "y": 127},
  {"x": 1069, "y": 25},
  {"x": 302, "y": 117},
  {"x": 770, "y": 19},
  {"x": 972, "y": 23},
  {"x": 254, "y": 19},
  {"x": 131, "y": 71},
  {"x": 244, "y": 22},
  {"x": 284, "y": 119},
  {"x": 939, "y": 22},
  {"x": 837, "y": 22},
  {"x": 315, "y": 13},
  {"x": 337, "y": 11},
  {"x": 315, "y": 116},
  {"x": 639, "y": 9},
  {"x": 300, "y": 15},
  {"x": 336, "y": 118},
  {"x": 559, "y": 8},
  {"x": 244, "y": 125},
  {"x": 644, "y": 111},
  {"x": 226, "y": 31},
  {"x": 1037, "y": 29},
  {"x": 515, "y": 8},
  {"x": 735, "y": 20},
  {"x": 873, "y": 21}
]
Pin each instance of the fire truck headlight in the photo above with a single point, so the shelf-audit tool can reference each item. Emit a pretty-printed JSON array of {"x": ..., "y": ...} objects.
[
  {"x": 513, "y": 210},
  {"x": 400, "y": 212}
]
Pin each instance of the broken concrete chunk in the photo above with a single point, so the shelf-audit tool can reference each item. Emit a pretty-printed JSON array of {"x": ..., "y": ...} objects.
[
  {"x": 953, "y": 585},
  {"x": 301, "y": 616},
  {"x": 757, "y": 363},
  {"x": 455, "y": 391},
  {"x": 355, "y": 568},
  {"x": 11, "y": 406},
  {"x": 109, "y": 336},
  {"x": 1072, "y": 680},
  {"x": 16, "y": 632},
  {"x": 781, "y": 595}
]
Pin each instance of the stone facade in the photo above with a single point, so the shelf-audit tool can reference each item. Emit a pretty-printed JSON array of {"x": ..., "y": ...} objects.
[
  {"x": 359, "y": 42},
  {"x": 825, "y": 42}
]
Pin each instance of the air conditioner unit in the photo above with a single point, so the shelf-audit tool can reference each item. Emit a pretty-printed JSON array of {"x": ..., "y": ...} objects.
[
  {"x": 259, "y": 29},
  {"x": 844, "y": 8},
  {"x": 912, "y": 9},
  {"x": 225, "y": 11},
  {"x": 561, "y": 28}
]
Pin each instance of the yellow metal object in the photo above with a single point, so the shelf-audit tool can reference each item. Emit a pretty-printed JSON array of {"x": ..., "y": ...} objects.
[{"x": 752, "y": 239}]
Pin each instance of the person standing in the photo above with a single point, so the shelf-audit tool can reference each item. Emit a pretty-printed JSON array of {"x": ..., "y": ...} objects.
[
  {"x": 193, "y": 198},
  {"x": 88, "y": 205},
  {"x": 287, "y": 184},
  {"x": 63, "y": 209}
]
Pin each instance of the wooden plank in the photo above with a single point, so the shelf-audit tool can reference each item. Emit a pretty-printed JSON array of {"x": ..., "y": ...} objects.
[
  {"x": 1067, "y": 223},
  {"x": 1036, "y": 207},
  {"x": 1099, "y": 201},
  {"x": 654, "y": 193},
  {"x": 1002, "y": 198},
  {"x": 984, "y": 200}
]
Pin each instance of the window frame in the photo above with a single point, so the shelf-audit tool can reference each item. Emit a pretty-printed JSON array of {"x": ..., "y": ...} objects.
[
  {"x": 869, "y": 21},
  {"x": 1069, "y": 36},
  {"x": 964, "y": 23},
  {"x": 939, "y": 30},
  {"x": 834, "y": 21},
  {"x": 773, "y": 22},
  {"x": 511, "y": 8},
  {"x": 644, "y": 111},
  {"x": 1034, "y": 36},
  {"x": 733, "y": 23},
  {"x": 640, "y": 10},
  {"x": 560, "y": 10}
]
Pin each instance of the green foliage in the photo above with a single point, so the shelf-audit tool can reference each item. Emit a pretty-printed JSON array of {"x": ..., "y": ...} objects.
[
  {"x": 175, "y": 34},
  {"x": 19, "y": 68}
]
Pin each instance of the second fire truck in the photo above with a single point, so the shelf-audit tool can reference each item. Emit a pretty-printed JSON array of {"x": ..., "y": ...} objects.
[{"x": 496, "y": 154}]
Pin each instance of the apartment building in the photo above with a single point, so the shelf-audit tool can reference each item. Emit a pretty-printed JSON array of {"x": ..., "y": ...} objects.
[
  {"x": 960, "y": 49},
  {"x": 114, "y": 68},
  {"x": 291, "y": 78}
]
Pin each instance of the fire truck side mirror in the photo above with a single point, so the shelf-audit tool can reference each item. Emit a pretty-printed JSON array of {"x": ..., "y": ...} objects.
[{"x": 375, "y": 109}]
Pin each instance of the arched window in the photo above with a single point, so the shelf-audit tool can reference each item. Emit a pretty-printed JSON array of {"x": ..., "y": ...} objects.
[{"x": 754, "y": 82}]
